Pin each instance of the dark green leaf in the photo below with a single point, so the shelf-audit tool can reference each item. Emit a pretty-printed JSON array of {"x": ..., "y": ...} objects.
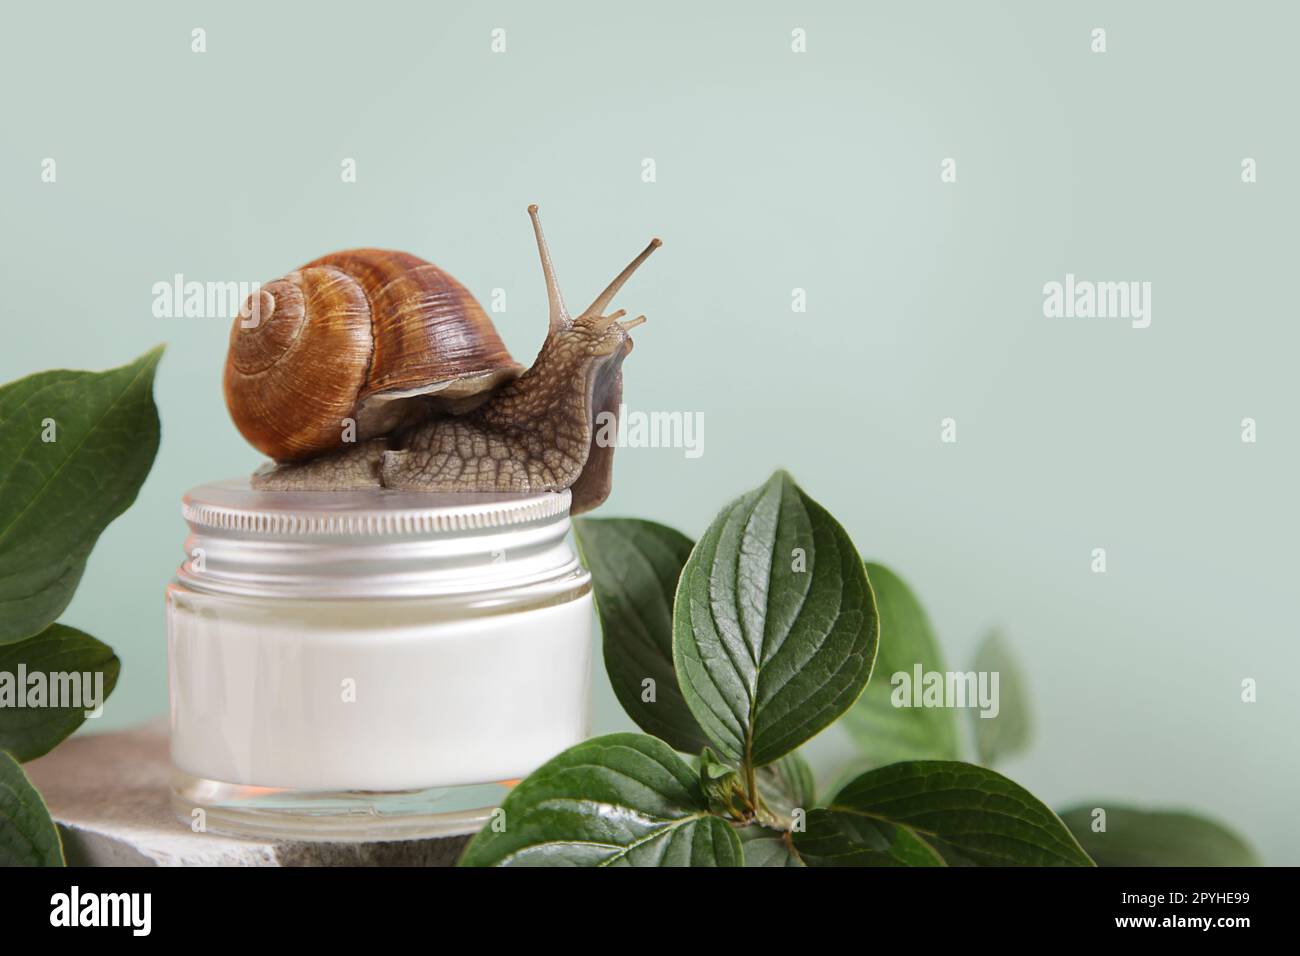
[
  {"x": 28, "y": 837},
  {"x": 764, "y": 847},
  {"x": 883, "y": 732},
  {"x": 774, "y": 627},
  {"x": 634, "y": 568},
  {"x": 1008, "y": 733},
  {"x": 73, "y": 658},
  {"x": 1136, "y": 837},
  {"x": 986, "y": 818},
  {"x": 619, "y": 800},
  {"x": 56, "y": 497},
  {"x": 837, "y": 838}
]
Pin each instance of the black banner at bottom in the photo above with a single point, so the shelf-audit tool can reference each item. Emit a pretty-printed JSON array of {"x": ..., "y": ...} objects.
[{"x": 334, "y": 905}]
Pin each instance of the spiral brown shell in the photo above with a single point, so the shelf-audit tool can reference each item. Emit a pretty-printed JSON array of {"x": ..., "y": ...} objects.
[{"x": 366, "y": 335}]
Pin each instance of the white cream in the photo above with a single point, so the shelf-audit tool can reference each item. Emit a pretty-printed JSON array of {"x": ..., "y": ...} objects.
[{"x": 372, "y": 695}]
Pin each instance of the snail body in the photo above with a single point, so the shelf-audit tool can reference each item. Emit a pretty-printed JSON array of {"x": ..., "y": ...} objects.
[{"x": 372, "y": 369}]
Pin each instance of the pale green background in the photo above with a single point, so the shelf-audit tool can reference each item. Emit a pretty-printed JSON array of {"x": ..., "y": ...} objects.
[{"x": 775, "y": 170}]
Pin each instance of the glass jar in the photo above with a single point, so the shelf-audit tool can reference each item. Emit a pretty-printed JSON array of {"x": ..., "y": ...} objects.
[{"x": 370, "y": 665}]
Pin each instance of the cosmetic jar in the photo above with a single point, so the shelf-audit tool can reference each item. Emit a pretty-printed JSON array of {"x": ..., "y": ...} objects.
[{"x": 374, "y": 665}]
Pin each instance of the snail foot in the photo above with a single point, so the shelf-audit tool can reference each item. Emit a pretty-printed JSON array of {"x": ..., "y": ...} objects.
[{"x": 353, "y": 468}]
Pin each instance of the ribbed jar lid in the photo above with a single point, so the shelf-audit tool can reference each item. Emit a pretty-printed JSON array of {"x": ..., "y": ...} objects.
[
  {"x": 371, "y": 544},
  {"x": 233, "y": 506}
]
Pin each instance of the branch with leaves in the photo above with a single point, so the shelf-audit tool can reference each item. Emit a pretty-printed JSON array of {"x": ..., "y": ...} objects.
[
  {"x": 75, "y": 447},
  {"x": 739, "y": 649},
  {"x": 734, "y": 651}
]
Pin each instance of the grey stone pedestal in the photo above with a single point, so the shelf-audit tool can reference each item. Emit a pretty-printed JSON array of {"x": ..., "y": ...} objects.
[{"x": 110, "y": 795}]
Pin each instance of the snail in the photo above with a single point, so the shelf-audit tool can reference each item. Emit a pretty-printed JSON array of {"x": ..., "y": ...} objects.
[{"x": 376, "y": 369}]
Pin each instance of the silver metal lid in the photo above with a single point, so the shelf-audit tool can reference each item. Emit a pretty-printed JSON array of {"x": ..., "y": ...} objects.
[
  {"x": 233, "y": 506},
  {"x": 371, "y": 544}
]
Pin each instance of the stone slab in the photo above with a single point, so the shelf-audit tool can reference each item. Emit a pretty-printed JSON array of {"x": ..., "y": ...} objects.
[{"x": 109, "y": 794}]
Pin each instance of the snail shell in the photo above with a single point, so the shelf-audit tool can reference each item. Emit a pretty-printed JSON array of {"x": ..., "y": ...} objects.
[{"x": 381, "y": 338}]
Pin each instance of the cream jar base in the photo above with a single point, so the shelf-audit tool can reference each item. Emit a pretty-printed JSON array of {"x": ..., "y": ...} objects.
[
  {"x": 360, "y": 666},
  {"x": 264, "y": 813}
]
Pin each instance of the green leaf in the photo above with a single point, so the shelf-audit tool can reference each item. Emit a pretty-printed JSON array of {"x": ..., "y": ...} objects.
[
  {"x": 774, "y": 626},
  {"x": 56, "y": 497},
  {"x": 1008, "y": 733},
  {"x": 766, "y": 847},
  {"x": 841, "y": 838},
  {"x": 884, "y": 733},
  {"x": 978, "y": 813},
  {"x": 1136, "y": 837},
  {"x": 74, "y": 658},
  {"x": 619, "y": 800},
  {"x": 28, "y": 837},
  {"x": 634, "y": 568}
]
